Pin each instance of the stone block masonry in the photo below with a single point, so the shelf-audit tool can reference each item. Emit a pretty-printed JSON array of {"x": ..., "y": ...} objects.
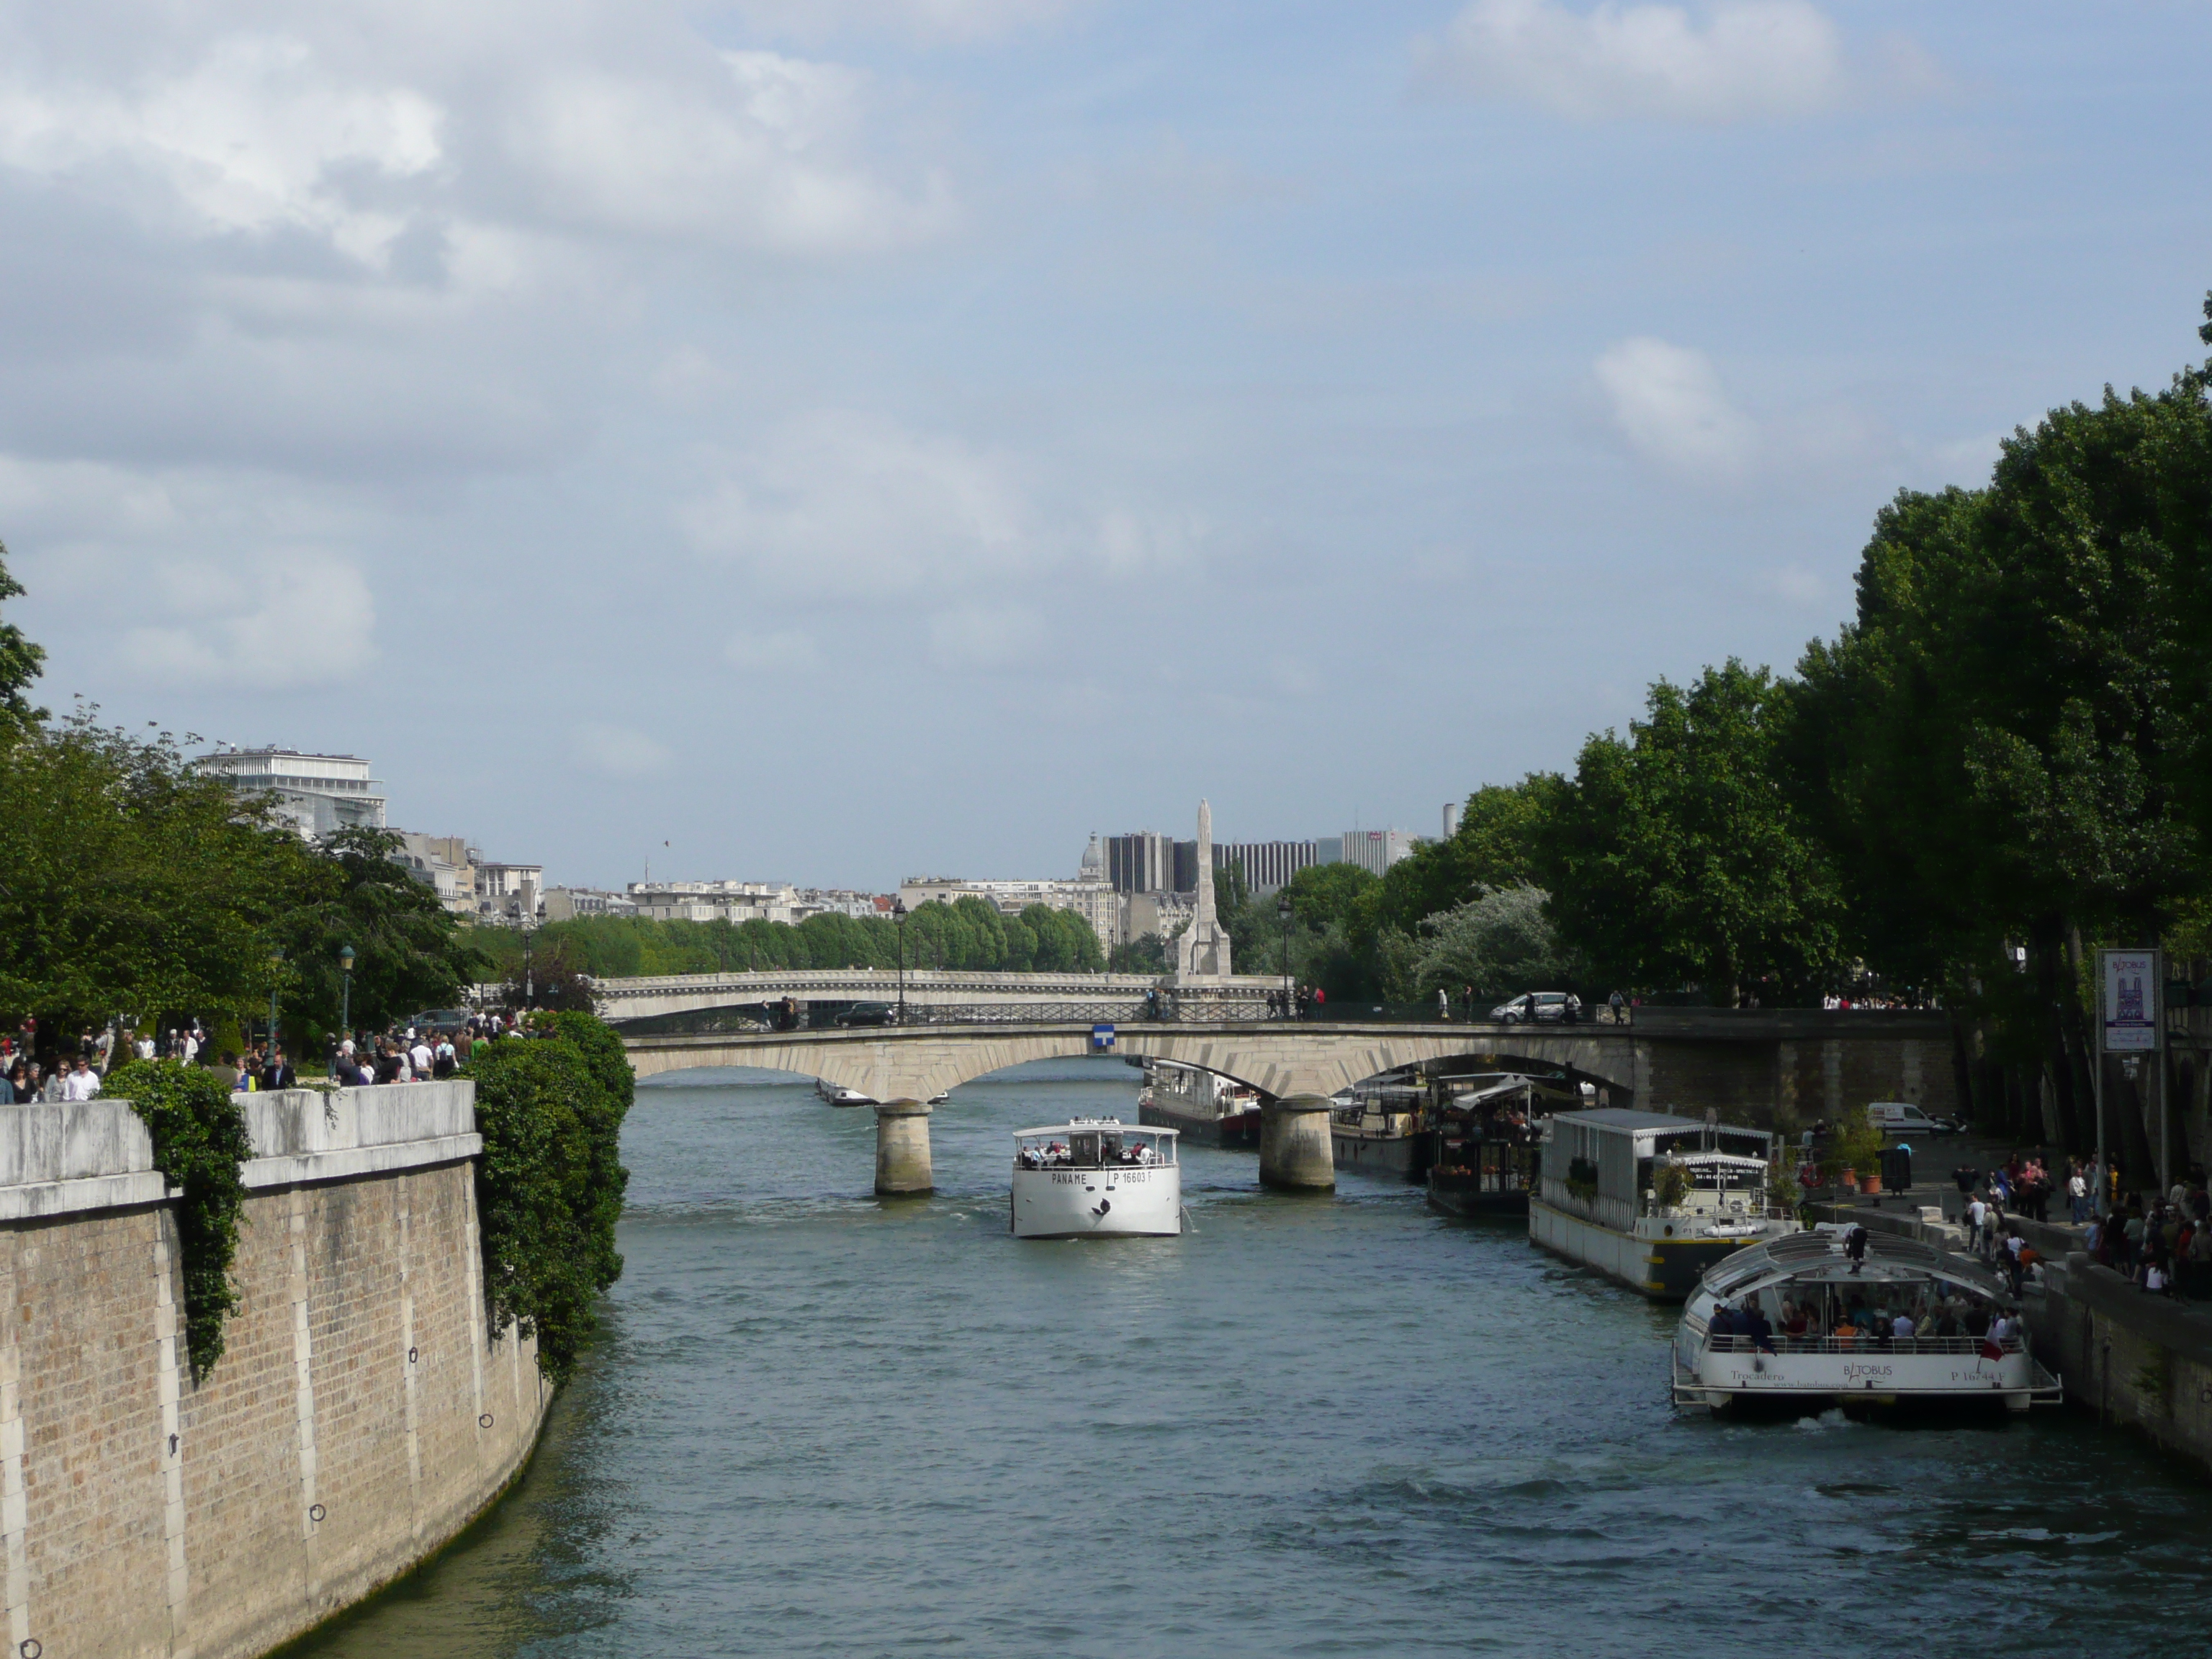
[{"x": 359, "y": 1418}]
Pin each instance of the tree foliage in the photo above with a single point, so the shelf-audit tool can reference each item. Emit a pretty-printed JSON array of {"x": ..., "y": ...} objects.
[
  {"x": 1678, "y": 854},
  {"x": 1498, "y": 944},
  {"x": 131, "y": 883},
  {"x": 20, "y": 662},
  {"x": 550, "y": 1183},
  {"x": 409, "y": 952},
  {"x": 200, "y": 1142},
  {"x": 968, "y": 933}
]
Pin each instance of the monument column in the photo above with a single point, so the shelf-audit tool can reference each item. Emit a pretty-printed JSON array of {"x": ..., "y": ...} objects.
[
  {"x": 902, "y": 1148},
  {"x": 1295, "y": 1152}
]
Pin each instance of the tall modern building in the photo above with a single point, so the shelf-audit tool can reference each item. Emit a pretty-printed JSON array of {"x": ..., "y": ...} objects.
[
  {"x": 1376, "y": 850},
  {"x": 1142, "y": 862},
  {"x": 316, "y": 794},
  {"x": 1267, "y": 864}
]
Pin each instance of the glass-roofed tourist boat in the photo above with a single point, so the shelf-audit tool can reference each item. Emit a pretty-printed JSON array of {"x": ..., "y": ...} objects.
[
  {"x": 1844, "y": 1315},
  {"x": 1095, "y": 1176}
]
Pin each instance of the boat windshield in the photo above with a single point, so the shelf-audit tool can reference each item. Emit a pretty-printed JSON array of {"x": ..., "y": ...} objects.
[{"x": 1091, "y": 1147}]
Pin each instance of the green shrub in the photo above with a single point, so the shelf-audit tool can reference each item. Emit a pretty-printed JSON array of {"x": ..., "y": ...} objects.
[
  {"x": 1670, "y": 1185},
  {"x": 550, "y": 1185},
  {"x": 198, "y": 1130},
  {"x": 1854, "y": 1143}
]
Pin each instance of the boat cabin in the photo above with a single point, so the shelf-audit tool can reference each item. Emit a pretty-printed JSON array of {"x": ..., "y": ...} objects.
[
  {"x": 1615, "y": 1167},
  {"x": 1093, "y": 1144}
]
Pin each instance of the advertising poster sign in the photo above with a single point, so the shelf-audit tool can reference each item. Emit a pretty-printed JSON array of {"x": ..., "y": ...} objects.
[{"x": 2131, "y": 994}]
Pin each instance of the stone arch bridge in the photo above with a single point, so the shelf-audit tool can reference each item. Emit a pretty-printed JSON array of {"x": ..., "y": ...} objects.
[{"x": 1764, "y": 1068}]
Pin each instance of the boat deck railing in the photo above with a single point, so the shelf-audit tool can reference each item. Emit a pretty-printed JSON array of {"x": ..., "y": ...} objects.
[{"x": 1904, "y": 1344}]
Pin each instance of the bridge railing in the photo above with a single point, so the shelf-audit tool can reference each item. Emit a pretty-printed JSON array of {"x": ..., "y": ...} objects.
[{"x": 1167, "y": 1008}]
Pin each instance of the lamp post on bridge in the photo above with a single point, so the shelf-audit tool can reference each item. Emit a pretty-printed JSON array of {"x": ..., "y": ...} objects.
[
  {"x": 345, "y": 991},
  {"x": 1283, "y": 915},
  {"x": 899, "y": 915}
]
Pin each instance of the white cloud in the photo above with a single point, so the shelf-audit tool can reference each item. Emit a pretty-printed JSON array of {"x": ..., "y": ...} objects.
[
  {"x": 1734, "y": 60},
  {"x": 854, "y": 505},
  {"x": 620, "y": 751},
  {"x": 944, "y": 19},
  {"x": 771, "y": 655},
  {"x": 249, "y": 138},
  {"x": 283, "y": 620},
  {"x": 767, "y": 154},
  {"x": 1669, "y": 403}
]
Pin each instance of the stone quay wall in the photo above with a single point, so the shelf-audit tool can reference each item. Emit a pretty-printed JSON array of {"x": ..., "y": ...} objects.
[
  {"x": 360, "y": 1416},
  {"x": 2132, "y": 1358}
]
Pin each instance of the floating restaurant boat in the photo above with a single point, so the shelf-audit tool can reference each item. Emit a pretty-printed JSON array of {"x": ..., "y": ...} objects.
[
  {"x": 1489, "y": 1145},
  {"x": 1653, "y": 1200},
  {"x": 1846, "y": 1317},
  {"x": 1093, "y": 1177},
  {"x": 1209, "y": 1109}
]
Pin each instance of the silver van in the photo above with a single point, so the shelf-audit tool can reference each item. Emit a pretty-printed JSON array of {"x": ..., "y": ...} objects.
[{"x": 1902, "y": 1117}]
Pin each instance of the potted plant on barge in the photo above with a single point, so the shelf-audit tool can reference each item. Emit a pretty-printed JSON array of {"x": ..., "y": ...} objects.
[{"x": 1854, "y": 1143}]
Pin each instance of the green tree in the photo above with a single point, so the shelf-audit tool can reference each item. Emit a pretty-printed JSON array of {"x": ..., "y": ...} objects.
[
  {"x": 20, "y": 662},
  {"x": 1679, "y": 854},
  {"x": 1499, "y": 943},
  {"x": 550, "y": 1183},
  {"x": 1494, "y": 846},
  {"x": 131, "y": 883},
  {"x": 409, "y": 952}
]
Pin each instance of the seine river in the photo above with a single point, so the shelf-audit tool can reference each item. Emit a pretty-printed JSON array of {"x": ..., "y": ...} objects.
[{"x": 817, "y": 1424}]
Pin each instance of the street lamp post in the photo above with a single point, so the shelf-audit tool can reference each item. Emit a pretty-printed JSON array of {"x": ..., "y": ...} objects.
[
  {"x": 1283, "y": 915},
  {"x": 529, "y": 978},
  {"x": 276, "y": 966},
  {"x": 899, "y": 915},
  {"x": 345, "y": 991}
]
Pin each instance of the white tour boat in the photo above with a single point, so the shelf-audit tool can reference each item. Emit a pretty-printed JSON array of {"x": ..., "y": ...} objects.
[
  {"x": 1843, "y": 1316},
  {"x": 1095, "y": 1175}
]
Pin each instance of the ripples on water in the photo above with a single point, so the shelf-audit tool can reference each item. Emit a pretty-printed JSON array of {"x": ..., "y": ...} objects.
[{"x": 821, "y": 1425}]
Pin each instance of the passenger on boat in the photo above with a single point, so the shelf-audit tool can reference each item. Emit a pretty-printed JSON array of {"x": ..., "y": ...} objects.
[{"x": 1755, "y": 1326}]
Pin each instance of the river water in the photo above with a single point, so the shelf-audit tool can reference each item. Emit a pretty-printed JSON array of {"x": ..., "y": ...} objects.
[{"x": 820, "y": 1424}]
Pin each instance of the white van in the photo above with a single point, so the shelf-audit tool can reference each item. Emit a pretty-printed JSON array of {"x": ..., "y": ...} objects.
[{"x": 1902, "y": 1117}]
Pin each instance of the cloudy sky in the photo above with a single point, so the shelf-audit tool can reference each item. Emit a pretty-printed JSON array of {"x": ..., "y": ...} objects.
[{"x": 841, "y": 439}]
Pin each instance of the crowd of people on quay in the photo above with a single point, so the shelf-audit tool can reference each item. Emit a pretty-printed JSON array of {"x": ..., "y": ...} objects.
[
  {"x": 2163, "y": 1241},
  {"x": 33, "y": 1071}
]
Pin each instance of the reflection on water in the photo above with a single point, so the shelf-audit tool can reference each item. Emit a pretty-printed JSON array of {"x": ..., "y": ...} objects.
[{"x": 822, "y": 1424}]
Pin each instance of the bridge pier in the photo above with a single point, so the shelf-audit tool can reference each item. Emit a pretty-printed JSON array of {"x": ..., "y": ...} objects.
[
  {"x": 902, "y": 1148},
  {"x": 1295, "y": 1150}
]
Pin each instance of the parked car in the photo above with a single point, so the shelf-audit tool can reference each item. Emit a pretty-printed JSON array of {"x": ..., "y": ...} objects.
[
  {"x": 868, "y": 1013},
  {"x": 1902, "y": 1117},
  {"x": 440, "y": 1022},
  {"x": 1540, "y": 1007}
]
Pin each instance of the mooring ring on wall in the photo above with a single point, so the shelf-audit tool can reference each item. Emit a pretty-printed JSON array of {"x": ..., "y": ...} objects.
[
  {"x": 484, "y": 1422},
  {"x": 316, "y": 1511},
  {"x": 411, "y": 1356},
  {"x": 29, "y": 1648}
]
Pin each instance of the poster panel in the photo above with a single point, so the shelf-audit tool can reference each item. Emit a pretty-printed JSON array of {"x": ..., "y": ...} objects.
[{"x": 2130, "y": 1003}]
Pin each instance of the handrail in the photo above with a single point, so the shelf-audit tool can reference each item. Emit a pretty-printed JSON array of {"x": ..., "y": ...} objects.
[{"x": 1737, "y": 1343}]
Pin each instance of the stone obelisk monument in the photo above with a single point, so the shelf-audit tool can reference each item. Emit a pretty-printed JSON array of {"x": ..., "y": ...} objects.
[{"x": 1202, "y": 952}]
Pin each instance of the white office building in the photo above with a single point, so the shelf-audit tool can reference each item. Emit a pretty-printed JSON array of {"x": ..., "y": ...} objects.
[
  {"x": 1374, "y": 850},
  {"x": 316, "y": 794}
]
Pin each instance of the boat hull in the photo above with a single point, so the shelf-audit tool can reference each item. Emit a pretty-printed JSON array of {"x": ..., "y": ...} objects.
[
  {"x": 1111, "y": 1200},
  {"x": 1464, "y": 1193},
  {"x": 1238, "y": 1131},
  {"x": 1664, "y": 1269},
  {"x": 1409, "y": 1156},
  {"x": 1871, "y": 1376}
]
